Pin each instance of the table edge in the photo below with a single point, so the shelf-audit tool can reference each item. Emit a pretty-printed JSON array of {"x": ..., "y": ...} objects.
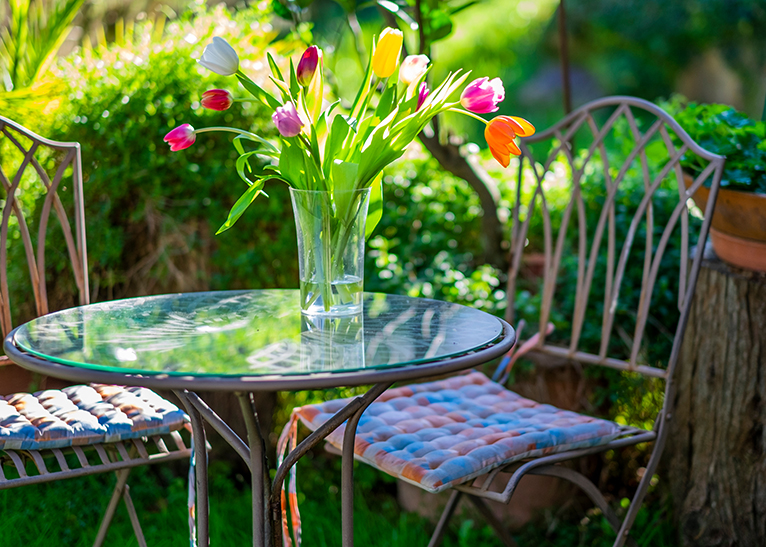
[{"x": 296, "y": 382}]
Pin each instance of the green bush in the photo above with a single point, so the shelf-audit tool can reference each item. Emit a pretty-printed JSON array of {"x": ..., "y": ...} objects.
[{"x": 720, "y": 129}]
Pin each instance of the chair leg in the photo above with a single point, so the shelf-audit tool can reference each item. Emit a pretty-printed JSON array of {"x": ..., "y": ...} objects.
[
  {"x": 122, "y": 480},
  {"x": 133, "y": 516},
  {"x": 121, "y": 490},
  {"x": 493, "y": 521},
  {"x": 441, "y": 527}
]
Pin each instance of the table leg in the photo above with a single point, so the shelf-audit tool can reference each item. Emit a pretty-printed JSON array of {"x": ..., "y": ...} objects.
[
  {"x": 347, "y": 465},
  {"x": 258, "y": 466},
  {"x": 200, "y": 445}
]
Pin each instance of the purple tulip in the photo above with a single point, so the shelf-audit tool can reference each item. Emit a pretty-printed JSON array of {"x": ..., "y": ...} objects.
[
  {"x": 307, "y": 66},
  {"x": 482, "y": 95},
  {"x": 287, "y": 120},
  {"x": 424, "y": 91}
]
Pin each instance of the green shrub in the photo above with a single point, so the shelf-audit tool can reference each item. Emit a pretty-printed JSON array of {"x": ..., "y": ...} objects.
[{"x": 720, "y": 129}]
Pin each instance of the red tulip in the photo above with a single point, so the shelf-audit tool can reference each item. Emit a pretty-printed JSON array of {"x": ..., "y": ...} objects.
[
  {"x": 307, "y": 66},
  {"x": 217, "y": 99},
  {"x": 181, "y": 137}
]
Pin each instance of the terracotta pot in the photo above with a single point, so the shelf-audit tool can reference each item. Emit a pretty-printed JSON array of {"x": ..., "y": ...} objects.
[{"x": 738, "y": 231}]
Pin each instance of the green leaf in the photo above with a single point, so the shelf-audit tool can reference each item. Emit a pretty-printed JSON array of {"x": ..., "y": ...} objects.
[
  {"x": 259, "y": 93},
  {"x": 274, "y": 68},
  {"x": 343, "y": 183},
  {"x": 338, "y": 131},
  {"x": 295, "y": 87},
  {"x": 291, "y": 162},
  {"x": 241, "y": 205},
  {"x": 375, "y": 210}
]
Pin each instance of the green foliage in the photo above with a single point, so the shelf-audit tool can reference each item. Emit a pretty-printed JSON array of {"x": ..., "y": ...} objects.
[
  {"x": 151, "y": 213},
  {"x": 720, "y": 129},
  {"x": 28, "y": 46},
  {"x": 429, "y": 238},
  {"x": 70, "y": 512}
]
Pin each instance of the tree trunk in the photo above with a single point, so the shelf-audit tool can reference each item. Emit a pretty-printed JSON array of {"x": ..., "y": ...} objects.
[
  {"x": 717, "y": 444},
  {"x": 449, "y": 157}
]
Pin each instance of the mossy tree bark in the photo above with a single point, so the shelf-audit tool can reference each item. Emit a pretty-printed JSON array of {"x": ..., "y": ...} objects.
[{"x": 716, "y": 450}]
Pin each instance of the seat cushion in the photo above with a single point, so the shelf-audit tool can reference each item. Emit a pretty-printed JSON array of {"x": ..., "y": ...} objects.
[
  {"x": 440, "y": 434},
  {"x": 79, "y": 415}
]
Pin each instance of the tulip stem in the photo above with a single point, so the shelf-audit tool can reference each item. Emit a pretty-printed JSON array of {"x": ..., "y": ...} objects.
[{"x": 461, "y": 111}]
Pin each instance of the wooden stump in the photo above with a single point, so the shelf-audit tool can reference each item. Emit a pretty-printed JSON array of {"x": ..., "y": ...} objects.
[{"x": 716, "y": 450}]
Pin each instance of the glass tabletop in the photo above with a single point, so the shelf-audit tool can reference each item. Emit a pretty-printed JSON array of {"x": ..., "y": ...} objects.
[{"x": 254, "y": 333}]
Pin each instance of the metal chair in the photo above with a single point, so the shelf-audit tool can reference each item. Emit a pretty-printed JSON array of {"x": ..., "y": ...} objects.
[
  {"x": 608, "y": 149},
  {"x": 33, "y": 154}
]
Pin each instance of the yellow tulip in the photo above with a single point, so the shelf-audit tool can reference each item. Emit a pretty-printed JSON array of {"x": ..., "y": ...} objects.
[{"x": 387, "y": 51}]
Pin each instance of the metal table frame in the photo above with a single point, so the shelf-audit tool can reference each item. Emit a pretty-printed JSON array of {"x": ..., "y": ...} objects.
[{"x": 266, "y": 494}]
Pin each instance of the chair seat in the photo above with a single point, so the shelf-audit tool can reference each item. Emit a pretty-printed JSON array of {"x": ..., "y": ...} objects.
[
  {"x": 84, "y": 415},
  {"x": 440, "y": 434}
]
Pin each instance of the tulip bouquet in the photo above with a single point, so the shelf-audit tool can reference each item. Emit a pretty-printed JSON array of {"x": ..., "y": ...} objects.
[{"x": 332, "y": 158}]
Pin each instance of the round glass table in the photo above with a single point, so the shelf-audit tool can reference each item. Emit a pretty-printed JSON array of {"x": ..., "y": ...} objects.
[{"x": 248, "y": 341}]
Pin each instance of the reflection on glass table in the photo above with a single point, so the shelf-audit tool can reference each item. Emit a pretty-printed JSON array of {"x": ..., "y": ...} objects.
[{"x": 254, "y": 333}]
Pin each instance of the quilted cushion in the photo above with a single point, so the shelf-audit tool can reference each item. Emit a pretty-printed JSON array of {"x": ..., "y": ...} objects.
[
  {"x": 439, "y": 434},
  {"x": 79, "y": 415}
]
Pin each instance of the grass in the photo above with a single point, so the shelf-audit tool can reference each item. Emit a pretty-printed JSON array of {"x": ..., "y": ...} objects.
[{"x": 67, "y": 513}]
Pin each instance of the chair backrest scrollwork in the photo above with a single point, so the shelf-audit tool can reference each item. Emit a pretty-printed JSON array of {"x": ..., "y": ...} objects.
[
  {"x": 613, "y": 168},
  {"x": 25, "y": 160}
]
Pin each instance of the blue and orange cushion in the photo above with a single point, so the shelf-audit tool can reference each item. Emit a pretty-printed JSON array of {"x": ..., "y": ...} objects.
[
  {"x": 443, "y": 433},
  {"x": 81, "y": 415}
]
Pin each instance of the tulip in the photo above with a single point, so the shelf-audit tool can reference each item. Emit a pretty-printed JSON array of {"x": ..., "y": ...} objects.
[
  {"x": 181, "y": 137},
  {"x": 424, "y": 91},
  {"x": 387, "y": 51},
  {"x": 307, "y": 66},
  {"x": 287, "y": 120},
  {"x": 220, "y": 57},
  {"x": 482, "y": 95},
  {"x": 500, "y": 133},
  {"x": 217, "y": 99},
  {"x": 413, "y": 68}
]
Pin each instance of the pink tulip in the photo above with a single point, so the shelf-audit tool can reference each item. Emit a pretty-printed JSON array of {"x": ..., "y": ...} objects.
[
  {"x": 307, "y": 66},
  {"x": 482, "y": 95},
  {"x": 217, "y": 99},
  {"x": 287, "y": 120},
  {"x": 181, "y": 137},
  {"x": 424, "y": 91}
]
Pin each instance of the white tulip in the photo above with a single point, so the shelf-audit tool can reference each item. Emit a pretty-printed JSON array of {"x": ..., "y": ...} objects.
[
  {"x": 220, "y": 57},
  {"x": 413, "y": 68}
]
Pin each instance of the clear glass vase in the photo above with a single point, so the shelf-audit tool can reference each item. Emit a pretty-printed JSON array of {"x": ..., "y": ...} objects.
[{"x": 330, "y": 228}]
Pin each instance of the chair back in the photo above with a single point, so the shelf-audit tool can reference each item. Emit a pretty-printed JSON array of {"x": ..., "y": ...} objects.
[
  {"x": 609, "y": 194},
  {"x": 39, "y": 176}
]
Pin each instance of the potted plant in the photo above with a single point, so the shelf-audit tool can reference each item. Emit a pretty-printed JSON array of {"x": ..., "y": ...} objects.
[{"x": 738, "y": 228}]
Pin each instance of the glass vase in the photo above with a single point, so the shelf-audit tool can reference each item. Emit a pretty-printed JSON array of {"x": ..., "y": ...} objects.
[{"x": 331, "y": 229}]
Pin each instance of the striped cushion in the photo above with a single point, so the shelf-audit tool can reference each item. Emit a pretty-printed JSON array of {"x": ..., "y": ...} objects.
[
  {"x": 80, "y": 415},
  {"x": 439, "y": 434}
]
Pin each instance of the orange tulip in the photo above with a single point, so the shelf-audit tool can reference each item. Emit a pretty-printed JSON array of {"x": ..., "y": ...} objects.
[{"x": 500, "y": 133}]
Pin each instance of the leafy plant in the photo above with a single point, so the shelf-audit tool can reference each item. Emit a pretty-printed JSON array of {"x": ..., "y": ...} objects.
[
  {"x": 722, "y": 130},
  {"x": 28, "y": 47}
]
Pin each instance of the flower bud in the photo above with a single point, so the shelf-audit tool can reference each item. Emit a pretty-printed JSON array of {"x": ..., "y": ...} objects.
[
  {"x": 482, "y": 95},
  {"x": 413, "y": 68},
  {"x": 387, "y": 51},
  {"x": 216, "y": 99},
  {"x": 220, "y": 57},
  {"x": 287, "y": 120},
  {"x": 181, "y": 137},
  {"x": 307, "y": 66},
  {"x": 422, "y": 95}
]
